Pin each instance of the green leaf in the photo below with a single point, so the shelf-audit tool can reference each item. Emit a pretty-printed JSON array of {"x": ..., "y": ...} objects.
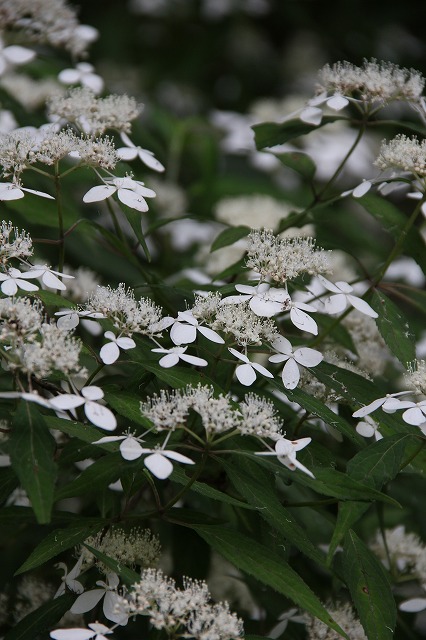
[
  {"x": 394, "y": 221},
  {"x": 42, "y": 619},
  {"x": 135, "y": 221},
  {"x": 32, "y": 448},
  {"x": 8, "y": 483},
  {"x": 374, "y": 467},
  {"x": 229, "y": 236},
  {"x": 370, "y": 589},
  {"x": 84, "y": 432},
  {"x": 51, "y": 299},
  {"x": 256, "y": 487},
  {"x": 269, "y": 134},
  {"x": 98, "y": 476},
  {"x": 126, "y": 405},
  {"x": 128, "y": 576},
  {"x": 394, "y": 328},
  {"x": 299, "y": 162},
  {"x": 180, "y": 477},
  {"x": 269, "y": 568},
  {"x": 179, "y": 377},
  {"x": 58, "y": 541}
]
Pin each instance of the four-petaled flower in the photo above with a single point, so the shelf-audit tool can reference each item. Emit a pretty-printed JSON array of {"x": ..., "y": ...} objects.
[
  {"x": 415, "y": 412},
  {"x": 96, "y": 413},
  {"x": 303, "y": 356},
  {"x": 14, "y": 55},
  {"x": 84, "y": 74},
  {"x": 130, "y": 192},
  {"x": 184, "y": 329},
  {"x": 246, "y": 373},
  {"x": 368, "y": 427},
  {"x": 108, "y": 591},
  {"x": 48, "y": 276},
  {"x": 389, "y": 403},
  {"x": 174, "y": 354},
  {"x": 13, "y": 191},
  {"x": 95, "y": 631},
  {"x": 68, "y": 580},
  {"x": 342, "y": 296},
  {"x": 131, "y": 152},
  {"x": 15, "y": 279},
  {"x": 265, "y": 301},
  {"x": 286, "y": 451},
  {"x": 111, "y": 351}
]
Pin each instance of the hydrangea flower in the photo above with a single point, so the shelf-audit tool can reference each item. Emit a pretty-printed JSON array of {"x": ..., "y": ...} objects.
[
  {"x": 82, "y": 74},
  {"x": 303, "y": 356},
  {"x": 246, "y": 373},
  {"x": 264, "y": 300},
  {"x": 368, "y": 428},
  {"x": 108, "y": 591},
  {"x": 175, "y": 354},
  {"x": 184, "y": 329},
  {"x": 130, "y": 192},
  {"x": 389, "y": 403},
  {"x": 69, "y": 578},
  {"x": 110, "y": 352},
  {"x": 96, "y": 413},
  {"x": 14, "y": 191},
  {"x": 342, "y": 296},
  {"x": 14, "y": 55},
  {"x": 15, "y": 279},
  {"x": 93, "y": 631},
  {"x": 286, "y": 451},
  {"x": 48, "y": 276},
  {"x": 131, "y": 152}
]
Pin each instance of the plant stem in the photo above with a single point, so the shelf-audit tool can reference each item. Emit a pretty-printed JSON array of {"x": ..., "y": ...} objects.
[{"x": 61, "y": 257}]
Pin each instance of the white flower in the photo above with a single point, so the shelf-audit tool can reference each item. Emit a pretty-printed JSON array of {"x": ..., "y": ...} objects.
[
  {"x": 286, "y": 451},
  {"x": 185, "y": 327},
  {"x": 13, "y": 191},
  {"x": 108, "y": 591},
  {"x": 96, "y": 631},
  {"x": 312, "y": 114},
  {"x": 130, "y": 192},
  {"x": 48, "y": 276},
  {"x": 69, "y": 319},
  {"x": 368, "y": 428},
  {"x": 342, "y": 296},
  {"x": 14, "y": 55},
  {"x": 246, "y": 373},
  {"x": 303, "y": 356},
  {"x": 96, "y": 413},
  {"x": 415, "y": 413},
  {"x": 69, "y": 578},
  {"x": 265, "y": 301},
  {"x": 300, "y": 319},
  {"x": 389, "y": 403},
  {"x": 360, "y": 190},
  {"x": 284, "y": 618},
  {"x": 175, "y": 354},
  {"x": 82, "y": 74},
  {"x": 111, "y": 351},
  {"x": 14, "y": 279},
  {"x": 413, "y": 605},
  {"x": 29, "y": 397},
  {"x": 131, "y": 151}
]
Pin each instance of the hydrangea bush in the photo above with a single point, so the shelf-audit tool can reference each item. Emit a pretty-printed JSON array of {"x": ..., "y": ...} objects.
[{"x": 213, "y": 384}]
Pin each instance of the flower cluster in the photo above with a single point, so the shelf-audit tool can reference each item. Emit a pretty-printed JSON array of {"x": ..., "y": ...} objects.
[
  {"x": 343, "y": 614},
  {"x": 403, "y": 153},
  {"x": 130, "y": 548}
]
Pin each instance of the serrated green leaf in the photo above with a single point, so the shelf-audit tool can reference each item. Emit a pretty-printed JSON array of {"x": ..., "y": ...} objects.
[
  {"x": 269, "y": 134},
  {"x": 42, "y": 619},
  {"x": 128, "y": 576},
  {"x": 374, "y": 467},
  {"x": 98, "y": 476},
  {"x": 394, "y": 221},
  {"x": 58, "y": 541},
  {"x": 299, "y": 162},
  {"x": 32, "y": 449},
  {"x": 370, "y": 589},
  {"x": 256, "y": 487},
  {"x": 126, "y": 405},
  {"x": 229, "y": 236},
  {"x": 84, "y": 432},
  {"x": 393, "y": 327},
  {"x": 267, "y": 567}
]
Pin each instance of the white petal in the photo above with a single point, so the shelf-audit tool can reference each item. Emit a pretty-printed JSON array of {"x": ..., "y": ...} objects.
[
  {"x": 328, "y": 285},
  {"x": 9, "y": 192},
  {"x": 362, "y": 306},
  {"x": 311, "y": 115},
  {"x": 130, "y": 449},
  {"x": 265, "y": 308},
  {"x": 198, "y": 362},
  {"x": 169, "y": 360},
  {"x": 262, "y": 370},
  {"x": 302, "y": 321},
  {"x": 18, "y": 55},
  {"x": 290, "y": 374},
  {"x": 234, "y": 299},
  {"x": 335, "y": 304},
  {"x": 126, "y": 153},
  {"x": 107, "y": 439},
  {"x": 125, "y": 343},
  {"x": 109, "y": 335},
  {"x": 101, "y": 192},
  {"x": 413, "y": 605},
  {"x": 361, "y": 189},
  {"x": 92, "y": 393},
  {"x": 174, "y": 455},
  {"x": 245, "y": 374},
  {"x": 365, "y": 429},
  {"x": 150, "y": 160},
  {"x": 110, "y": 602},
  {"x": 93, "y": 82},
  {"x": 69, "y": 76},
  {"x": 246, "y": 288},
  {"x": 211, "y": 335},
  {"x": 414, "y": 416},
  {"x": 278, "y": 357},
  {"x": 300, "y": 443},
  {"x": 344, "y": 287},
  {"x": 87, "y": 601},
  {"x": 283, "y": 345},
  {"x": 337, "y": 102},
  {"x": 394, "y": 404},
  {"x": 9, "y": 287},
  {"x": 369, "y": 408},
  {"x": 302, "y": 467},
  {"x": 132, "y": 200},
  {"x": 308, "y": 357},
  {"x": 100, "y": 416},
  {"x": 71, "y": 634},
  {"x": 42, "y": 194},
  {"x": 109, "y": 353},
  {"x": 239, "y": 355},
  {"x": 66, "y": 401},
  {"x": 181, "y": 333},
  {"x": 159, "y": 466},
  {"x": 26, "y": 286}
]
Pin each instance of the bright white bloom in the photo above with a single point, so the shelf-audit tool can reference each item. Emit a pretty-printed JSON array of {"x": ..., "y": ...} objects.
[
  {"x": 413, "y": 605},
  {"x": 403, "y": 153},
  {"x": 131, "y": 152},
  {"x": 258, "y": 416},
  {"x": 110, "y": 352},
  {"x": 344, "y": 616},
  {"x": 175, "y": 354},
  {"x": 14, "y": 243},
  {"x": 95, "y": 631},
  {"x": 342, "y": 296},
  {"x": 185, "y": 327},
  {"x": 69, "y": 578},
  {"x": 286, "y": 451},
  {"x": 303, "y": 356},
  {"x": 28, "y": 397},
  {"x": 284, "y": 619},
  {"x": 14, "y": 191},
  {"x": 368, "y": 428},
  {"x": 415, "y": 414},
  {"x": 302, "y": 320},
  {"x": 14, "y": 280},
  {"x": 264, "y": 300},
  {"x": 69, "y": 318},
  {"x": 359, "y": 191},
  {"x": 389, "y": 403},
  {"x": 48, "y": 276},
  {"x": 312, "y": 114},
  {"x": 96, "y": 413},
  {"x": 135, "y": 547},
  {"x": 245, "y": 326},
  {"x": 84, "y": 74},
  {"x": 108, "y": 591},
  {"x": 130, "y": 192},
  {"x": 246, "y": 373},
  {"x": 14, "y": 55}
]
